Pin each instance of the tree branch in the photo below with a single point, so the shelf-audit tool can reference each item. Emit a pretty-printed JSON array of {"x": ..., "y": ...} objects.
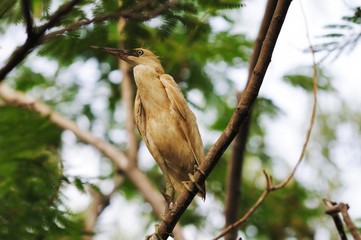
[
  {"x": 39, "y": 36},
  {"x": 33, "y": 40},
  {"x": 128, "y": 13},
  {"x": 270, "y": 187},
  {"x": 138, "y": 178},
  {"x": 240, "y": 114},
  {"x": 336, "y": 218},
  {"x": 333, "y": 209},
  {"x": 234, "y": 177},
  {"x": 96, "y": 207},
  {"x": 128, "y": 99},
  {"x": 26, "y": 5}
]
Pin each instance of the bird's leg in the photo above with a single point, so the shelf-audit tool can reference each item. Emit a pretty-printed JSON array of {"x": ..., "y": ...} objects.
[
  {"x": 196, "y": 168},
  {"x": 169, "y": 189}
]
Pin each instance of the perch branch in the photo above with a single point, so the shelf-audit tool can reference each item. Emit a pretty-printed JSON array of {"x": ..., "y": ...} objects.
[
  {"x": 270, "y": 187},
  {"x": 240, "y": 114},
  {"x": 234, "y": 177}
]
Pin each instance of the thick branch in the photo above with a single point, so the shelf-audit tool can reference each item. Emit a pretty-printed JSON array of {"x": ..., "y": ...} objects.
[
  {"x": 240, "y": 114},
  {"x": 234, "y": 176},
  {"x": 138, "y": 178}
]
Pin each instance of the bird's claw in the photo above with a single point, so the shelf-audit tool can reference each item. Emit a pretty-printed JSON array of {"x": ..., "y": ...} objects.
[
  {"x": 191, "y": 177},
  {"x": 167, "y": 198},
  {"x": 155, "y": 235},
  {"x": 196, "y": 167}
]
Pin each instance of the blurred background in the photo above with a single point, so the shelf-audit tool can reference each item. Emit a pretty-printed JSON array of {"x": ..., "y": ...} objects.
[{"x": 55, "y": 185}]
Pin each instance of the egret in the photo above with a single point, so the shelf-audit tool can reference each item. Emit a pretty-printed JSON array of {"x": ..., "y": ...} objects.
[{"x": 164, "y": 120}]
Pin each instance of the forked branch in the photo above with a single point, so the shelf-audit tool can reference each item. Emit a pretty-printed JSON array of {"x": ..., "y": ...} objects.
[{"x": 334, "y": 209}]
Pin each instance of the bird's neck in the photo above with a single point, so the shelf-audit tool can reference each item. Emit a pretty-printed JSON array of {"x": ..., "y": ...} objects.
[{"x": 151, "y": 90}]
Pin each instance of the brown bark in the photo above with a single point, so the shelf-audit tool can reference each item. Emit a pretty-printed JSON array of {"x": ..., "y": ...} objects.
[
  {"x": 240, "y": 114},
  {"x": 234, "y": 176}
]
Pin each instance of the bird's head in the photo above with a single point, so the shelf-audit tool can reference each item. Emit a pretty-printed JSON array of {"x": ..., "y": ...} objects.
[{"x": 137, "y": 56}]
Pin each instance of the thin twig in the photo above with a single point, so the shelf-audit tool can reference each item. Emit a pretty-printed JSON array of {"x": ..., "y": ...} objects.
[
  {"x": 128, "y": 13},
  {"x": 56, "y": 16},
  {"x": 39, "y": 36}
]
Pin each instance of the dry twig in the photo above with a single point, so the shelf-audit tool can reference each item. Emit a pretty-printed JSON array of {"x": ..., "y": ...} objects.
[{"x": 333, "y": 209}]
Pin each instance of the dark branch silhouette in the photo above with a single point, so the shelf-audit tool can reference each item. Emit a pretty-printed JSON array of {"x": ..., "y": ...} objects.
[
  {"x": 26, "y": 5},
  {"x": 33, "y": 39}
]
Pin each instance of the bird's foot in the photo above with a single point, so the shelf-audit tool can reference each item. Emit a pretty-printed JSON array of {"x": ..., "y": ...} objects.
[
  {"x": 196, "y": 168},
  {"x": 155, "y": 235},
  {"x": 191, "y": 177},
  {"x": 167, "y": 198}
]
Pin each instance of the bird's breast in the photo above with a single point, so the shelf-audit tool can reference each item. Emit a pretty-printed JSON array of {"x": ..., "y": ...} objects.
[{"x": 152, "y": 93}]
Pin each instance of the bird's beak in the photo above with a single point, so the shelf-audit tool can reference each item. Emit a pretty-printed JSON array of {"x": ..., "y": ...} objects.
[{"x": 116, "y": 52}]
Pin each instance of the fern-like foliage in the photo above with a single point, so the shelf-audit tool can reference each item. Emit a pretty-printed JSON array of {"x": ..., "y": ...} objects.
[
  {"x": 30, "y": 178},
  {"x": 343, "y": 37}
]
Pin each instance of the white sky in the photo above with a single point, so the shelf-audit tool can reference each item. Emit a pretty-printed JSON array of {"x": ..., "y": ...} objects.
[{"x": 285, "y": 137}]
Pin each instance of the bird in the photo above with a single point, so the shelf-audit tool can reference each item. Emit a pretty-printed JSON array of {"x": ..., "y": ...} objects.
[{"x": 164, "y": 120}]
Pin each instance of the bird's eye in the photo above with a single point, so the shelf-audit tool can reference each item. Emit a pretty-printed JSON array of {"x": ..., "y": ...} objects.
[{"x": 140, "y": 52}]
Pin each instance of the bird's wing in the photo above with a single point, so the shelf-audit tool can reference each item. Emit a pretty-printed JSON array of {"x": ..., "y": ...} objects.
[
  {"x": 140, "y": 118},
  {"x": 188, "y": 122}
]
